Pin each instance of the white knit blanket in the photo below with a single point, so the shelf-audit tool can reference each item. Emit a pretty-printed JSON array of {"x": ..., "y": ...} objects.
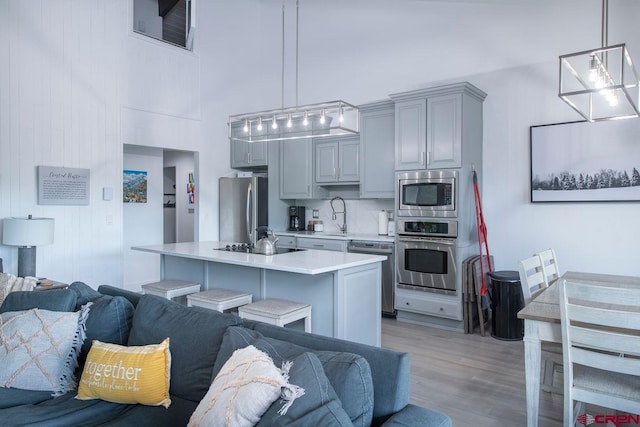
[{"x": 10, "y": 283}]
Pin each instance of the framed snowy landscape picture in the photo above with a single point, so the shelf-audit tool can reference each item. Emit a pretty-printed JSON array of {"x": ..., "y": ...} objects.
[{"x": 586, "y": 162}]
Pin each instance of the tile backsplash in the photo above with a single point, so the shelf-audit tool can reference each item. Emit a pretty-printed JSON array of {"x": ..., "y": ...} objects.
[{"x": 362, "y": 215}]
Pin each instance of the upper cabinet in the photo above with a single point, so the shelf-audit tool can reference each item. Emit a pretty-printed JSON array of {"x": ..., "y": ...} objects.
[
  {"x": 296, "y": 167},
  {"x": 337, "y": 160},
  {"x": 377, "y": 150},
  {"x": 247, "y": 154},
  {"x": 430, "y": 132}
]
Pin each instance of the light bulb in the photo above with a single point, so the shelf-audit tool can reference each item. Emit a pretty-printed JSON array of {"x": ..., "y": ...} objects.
[
  {"x": 610, "y": 96},
  {"x": 306, "y": 119},
  {"x": 259, "y": 123},
  {"x": 289, "y": 124},
  {"x": 246, "y": 126},
  {"x": 274, "y": 125},
  {"x": 593, "y": 69},
  {"x": 341, "y": 115},
  {"x": 322, "y": 118}
]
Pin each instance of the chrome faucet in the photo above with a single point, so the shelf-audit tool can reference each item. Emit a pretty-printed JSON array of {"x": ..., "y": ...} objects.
[{"x": 343, "y": 228}]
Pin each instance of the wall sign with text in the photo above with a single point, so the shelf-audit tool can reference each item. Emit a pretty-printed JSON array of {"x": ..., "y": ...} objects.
[{"x": 63, "y": 186}]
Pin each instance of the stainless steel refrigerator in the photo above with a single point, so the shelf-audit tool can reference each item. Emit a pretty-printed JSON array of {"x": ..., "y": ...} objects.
[{"x": 243, "y": 208}]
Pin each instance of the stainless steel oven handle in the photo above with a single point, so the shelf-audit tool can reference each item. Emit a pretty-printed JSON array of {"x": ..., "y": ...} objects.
[{"x": 402, "y": 239}]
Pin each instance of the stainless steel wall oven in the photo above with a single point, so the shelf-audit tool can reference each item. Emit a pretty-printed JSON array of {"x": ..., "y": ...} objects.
[{"x": 426, "y": 255}]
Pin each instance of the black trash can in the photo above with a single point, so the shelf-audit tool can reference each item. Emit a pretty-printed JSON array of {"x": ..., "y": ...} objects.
[{"x": 506, "y": 301}]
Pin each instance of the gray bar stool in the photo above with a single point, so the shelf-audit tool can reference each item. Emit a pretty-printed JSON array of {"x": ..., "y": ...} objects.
[
  {"x": 277, "y": 312},
  {"x": 170, "y": 289},
  {"x": 219, "y": 299}
]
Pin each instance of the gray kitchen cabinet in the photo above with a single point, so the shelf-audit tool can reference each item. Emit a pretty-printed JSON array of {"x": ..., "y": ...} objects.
[
  {"x": 430, "y": 132},
  {"x": 286, "y": 242},
  {"x": 337, "y": 161},
  {"x": 444, "y": 131},
  {"x": 322, "y": 244},
  {"x": 377, "y": 150},
  {"x": 248, "y": 154},
  {"x": 296, "y": 169}
]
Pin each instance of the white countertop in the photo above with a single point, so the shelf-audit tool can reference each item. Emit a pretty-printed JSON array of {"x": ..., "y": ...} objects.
[
  {"x": 305, "y": 262},
  {"x": 338, "y": 236}
]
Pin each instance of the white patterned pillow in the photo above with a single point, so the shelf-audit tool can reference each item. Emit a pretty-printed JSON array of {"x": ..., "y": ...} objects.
[
  {"x": 243, "y": 390},
  {"x": 39, "y": 349}
]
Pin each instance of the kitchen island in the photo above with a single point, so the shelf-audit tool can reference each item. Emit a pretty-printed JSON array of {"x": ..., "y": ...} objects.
[{"x": 344, "y": 289}]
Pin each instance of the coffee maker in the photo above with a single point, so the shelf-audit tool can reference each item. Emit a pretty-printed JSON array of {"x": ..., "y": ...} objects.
[{"x": 296, "y": 218}]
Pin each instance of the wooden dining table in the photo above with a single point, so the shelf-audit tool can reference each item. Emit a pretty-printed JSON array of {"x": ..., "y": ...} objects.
[{"x": 542, "y": 323}]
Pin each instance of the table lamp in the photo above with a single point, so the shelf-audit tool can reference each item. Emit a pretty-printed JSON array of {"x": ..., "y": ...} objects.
[{"x": 27, "y": 233}]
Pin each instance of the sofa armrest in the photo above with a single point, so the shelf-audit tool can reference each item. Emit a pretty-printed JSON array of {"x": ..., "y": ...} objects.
[{"x": 412, "y": 415}]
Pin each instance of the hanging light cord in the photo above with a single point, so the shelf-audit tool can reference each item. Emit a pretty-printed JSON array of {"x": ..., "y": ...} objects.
[
  {"x": 282, "y": 82},
  {"x": 297, "y": 37},
  {"x": 605, "y": 23}
]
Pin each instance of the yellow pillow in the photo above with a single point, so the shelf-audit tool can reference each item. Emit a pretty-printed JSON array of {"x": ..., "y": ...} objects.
[{"x": 136, "y": 374}]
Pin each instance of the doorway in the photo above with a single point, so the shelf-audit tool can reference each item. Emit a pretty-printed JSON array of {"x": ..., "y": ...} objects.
[{"x": 144, "y": 222}]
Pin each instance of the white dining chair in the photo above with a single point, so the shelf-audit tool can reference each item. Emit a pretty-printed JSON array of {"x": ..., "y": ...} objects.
[
  {"x": 550, "y": 264},
  {"x": 601, "y": 347},
  {"x": 533, "y": 280}
]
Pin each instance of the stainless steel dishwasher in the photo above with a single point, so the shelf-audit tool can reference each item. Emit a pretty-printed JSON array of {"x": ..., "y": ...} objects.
[{"x": 388, "y": 266}]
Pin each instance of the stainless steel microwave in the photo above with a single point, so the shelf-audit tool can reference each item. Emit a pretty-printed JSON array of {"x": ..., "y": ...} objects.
[{"x": 428, "y": 193}]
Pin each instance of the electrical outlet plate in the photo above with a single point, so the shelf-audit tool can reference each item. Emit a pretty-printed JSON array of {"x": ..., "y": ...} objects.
[{"x": 316, "y": 213}]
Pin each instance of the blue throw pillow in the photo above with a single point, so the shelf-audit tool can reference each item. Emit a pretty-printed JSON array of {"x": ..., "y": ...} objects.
[
  {"x": 195, "y": 333},
  {"x": 318, "y": 406},
  {"x": 52, "y": 300},
  {"x": 349, "y": 373},
  {"x": 109, "y": 321}
]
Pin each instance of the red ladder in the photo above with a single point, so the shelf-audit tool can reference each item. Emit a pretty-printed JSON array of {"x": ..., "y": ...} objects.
[{"x": 482, "y": 234}]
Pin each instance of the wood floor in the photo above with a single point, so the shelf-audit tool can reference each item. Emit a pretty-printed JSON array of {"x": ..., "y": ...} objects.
[{"x": 477, "y": 381}]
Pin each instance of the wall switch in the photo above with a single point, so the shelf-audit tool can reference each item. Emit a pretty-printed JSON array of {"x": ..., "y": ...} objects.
[
  {"x": 109, "y": 219},
  {"x": 107, "y": 193},
  {"x": 316, "y": 213}
]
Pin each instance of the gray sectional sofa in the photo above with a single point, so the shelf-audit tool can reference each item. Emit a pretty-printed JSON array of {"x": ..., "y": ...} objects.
[{"x": 372, "y": 383}]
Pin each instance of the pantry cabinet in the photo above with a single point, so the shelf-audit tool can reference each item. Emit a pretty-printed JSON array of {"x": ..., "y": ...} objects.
[{"x": 377, "y": 179}]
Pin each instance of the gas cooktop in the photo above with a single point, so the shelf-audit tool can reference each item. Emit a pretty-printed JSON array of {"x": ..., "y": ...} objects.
[{"x": 249, "y": 247}]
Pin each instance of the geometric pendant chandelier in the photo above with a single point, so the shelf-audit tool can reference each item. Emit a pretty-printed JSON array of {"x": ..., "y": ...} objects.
[{"x": 600, "y": 84}]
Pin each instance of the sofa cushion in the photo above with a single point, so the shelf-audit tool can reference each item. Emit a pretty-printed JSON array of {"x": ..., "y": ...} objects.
[
  {"x": 133, "y": 297},
  {"x": 195, "y": 333},
  {"x": 39, "y": 349},
  {"x": 389, "y": 369},
  {"x": 248, "y": 383},
  {"x": 52, "y": 300},
  {"x": 135, "y": 374},
  {"x": 177, "y": 414},
  {"x": 349, "y": 373},
  {"x": 84, "y": 293},
  {"x": 10, "y": 397},
  {"x": 109, "y": 321},
  {"x": 318, "y": 406},
  {"x": 62, "y": 411}
]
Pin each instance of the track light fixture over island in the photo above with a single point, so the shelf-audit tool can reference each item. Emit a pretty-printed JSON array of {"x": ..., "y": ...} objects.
[
  {"x": 320, "y": 120},
  {"x": 325, "y": 119}
]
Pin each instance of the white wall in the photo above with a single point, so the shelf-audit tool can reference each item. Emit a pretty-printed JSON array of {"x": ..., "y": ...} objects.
[
  {"x": 143, "y": 223},
  {"x": 76, "y": 84}
]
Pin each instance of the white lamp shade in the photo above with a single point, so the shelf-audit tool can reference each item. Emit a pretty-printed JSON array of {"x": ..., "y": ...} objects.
[{"x": 27, "y": 231}]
